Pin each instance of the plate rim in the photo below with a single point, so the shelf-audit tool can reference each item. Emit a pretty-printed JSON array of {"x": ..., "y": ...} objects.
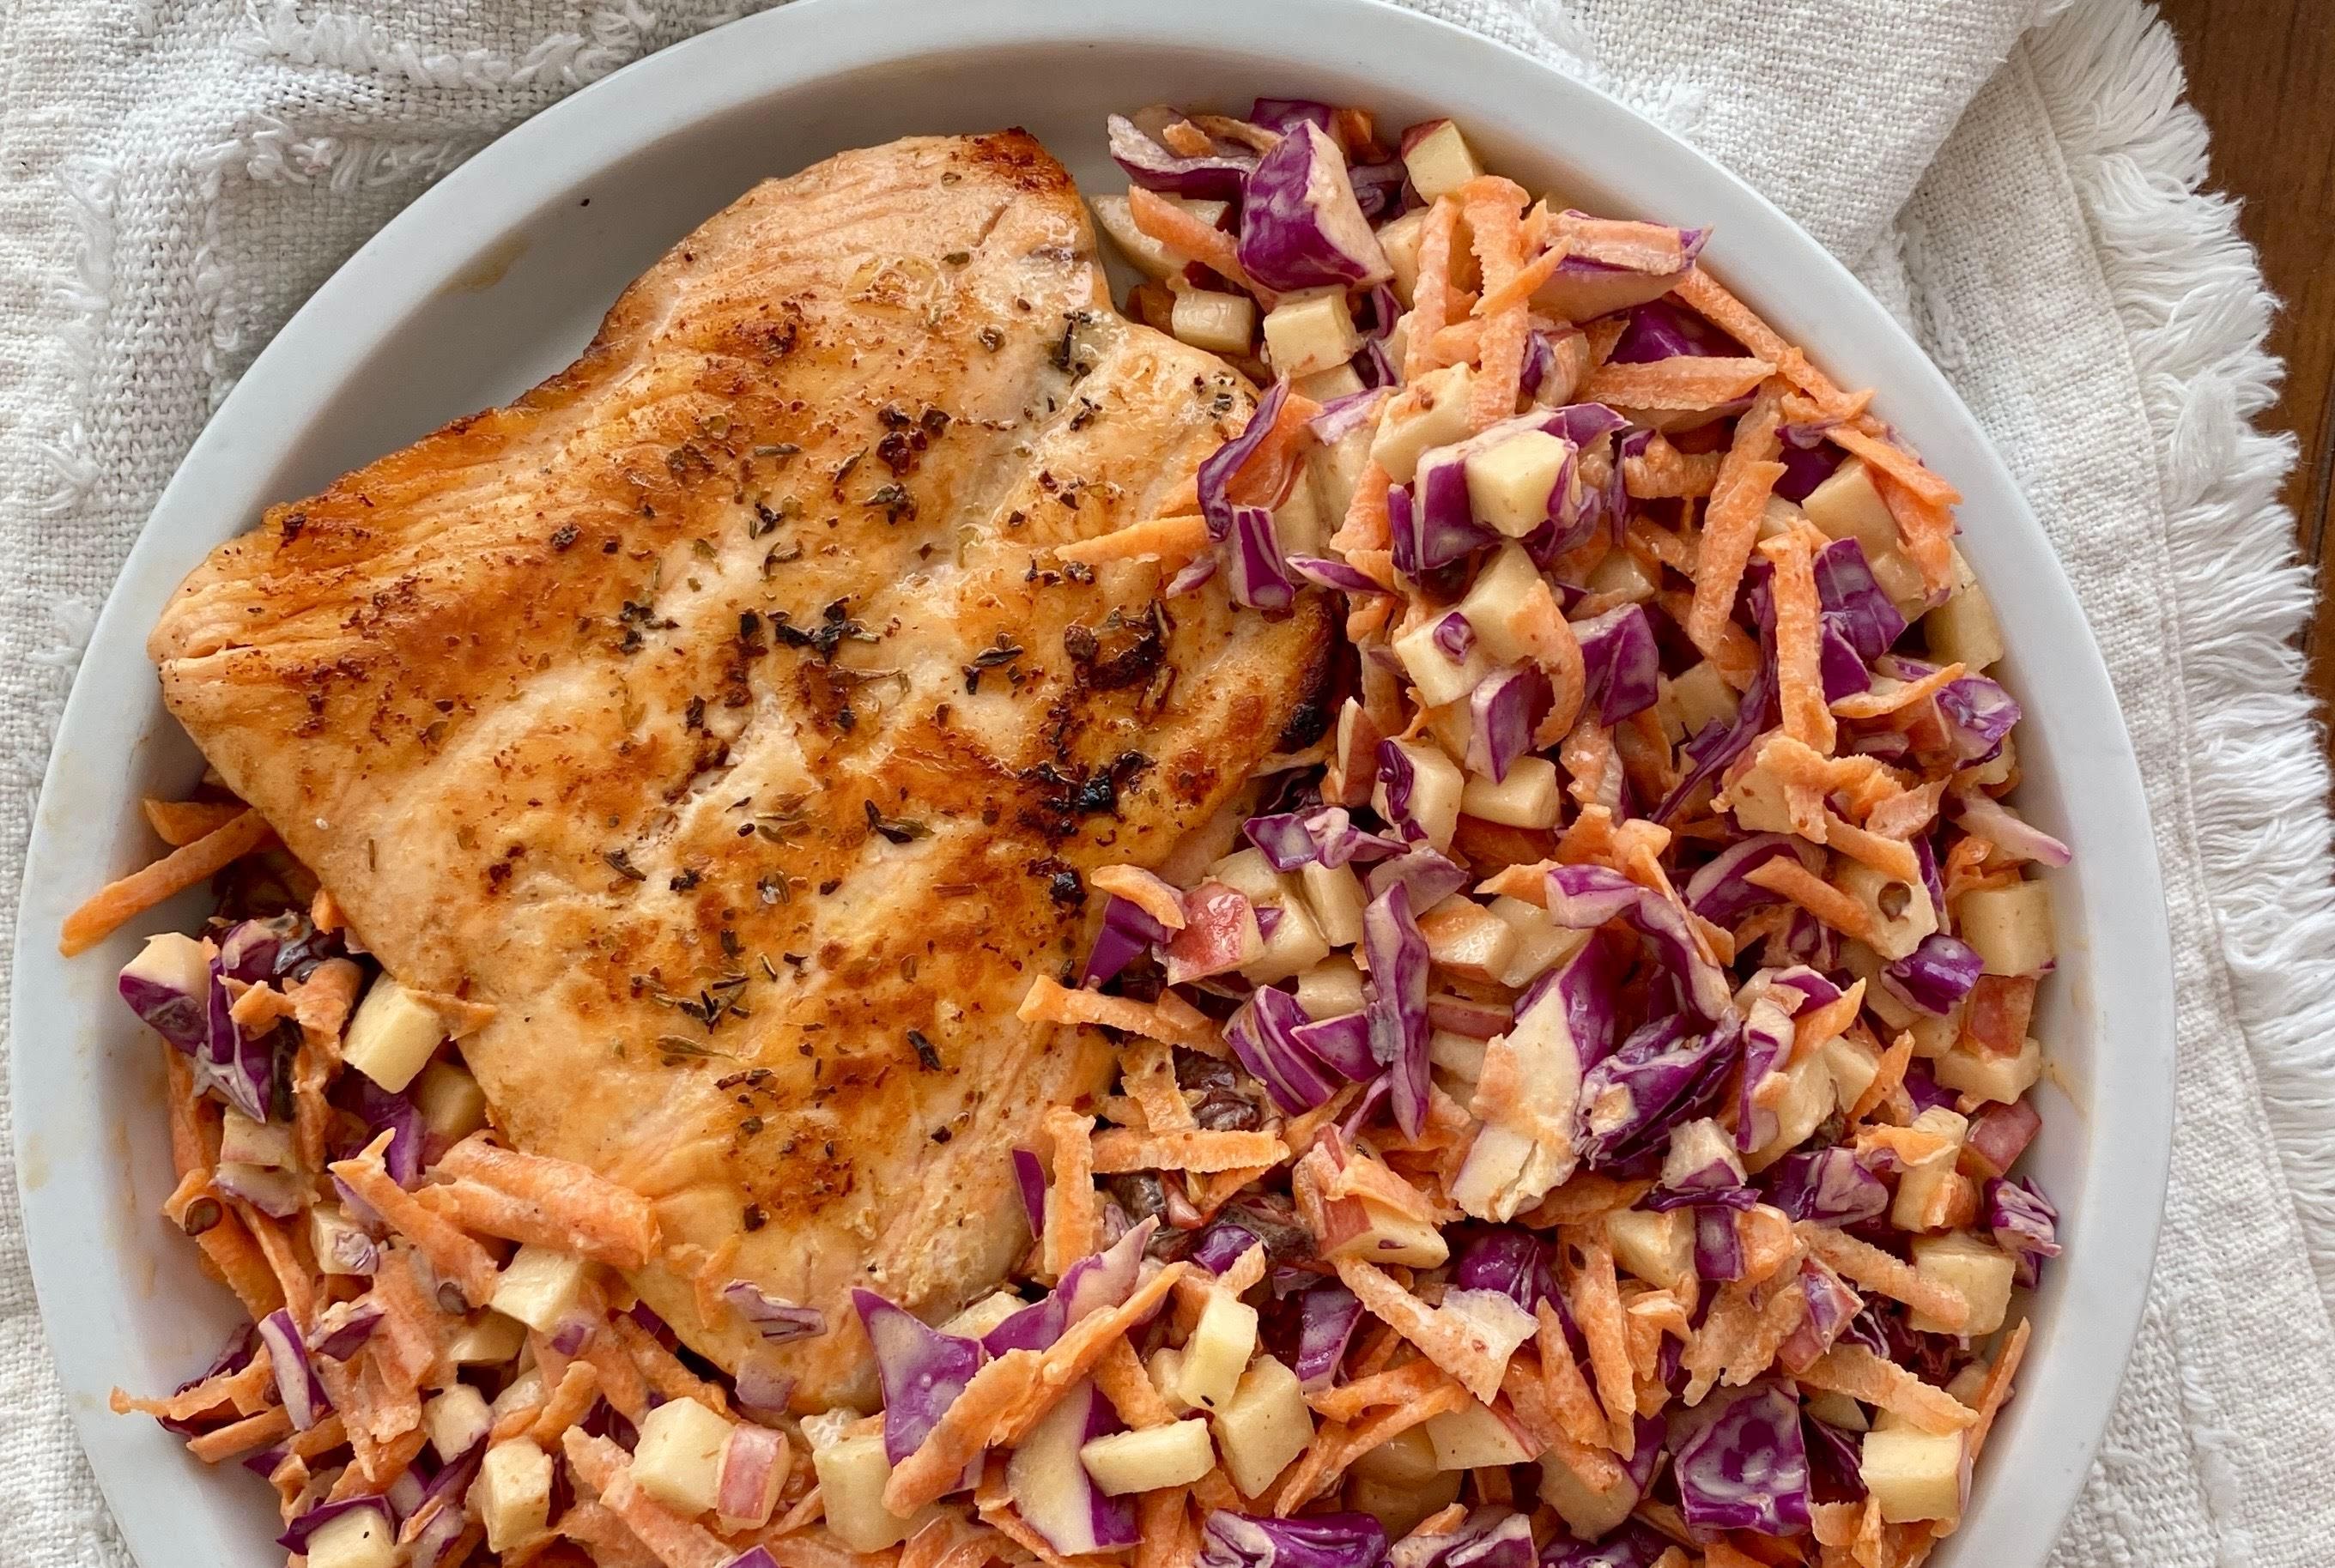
[{"x": 789, "y": 48}]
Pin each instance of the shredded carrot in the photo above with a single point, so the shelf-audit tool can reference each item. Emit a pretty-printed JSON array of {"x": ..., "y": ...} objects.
[
  {"x": 1647, "y": 248},
  {"x": 1188, "y": 237},
  {"x": 1349, "y": 1401},
  {"x": 1597, "y": 1309},
  {"x": 1430, "y": 292},
  {"x": 1263, "y": 478},
  {"x": 1854, "y": 1370},
  {"x": 1703, "y": 293},
  {"x": 1549, "y": 642},
  {"x": 122, "y": 901},
  {"x": 455, "y": 1256},
  {"x": 1926, "y": 526},
  {"x": 242, "y": 1267},
  {"x": 1122, "y": 1150},
  {"x": 182, "y": 822},
  {"x": 1120, "y": 1376},
  {"x": 677, "y": 1542},
  {"x": 1875, "y": 1270},
  {"x": 556, "y": 1202},
  {"x": 1365, "y": 525},
  {"x": 1893, "y": 857},
  {"x": 1799, "y": 674},
  {"x": 291, "y": 1271},
  {"x": 1587, "y": 755},
  {"x": 1901, "y": 466},
  {"x": 1739, "y": 499},
  {"x": 1070, "y": 1212},
  {"x": 1896, "y": 698},
  {"x": 194, "y": 1118},
  {"x": 1995, "y": 1392},
  {"x": 1785, "y": 875},
  {"x": 1170, "y": 541},
  {"x": 222, "y": 1443},
  {"x": 245, "y": 1390},
  {"x": 1144, "y": 890},
  {"x": 1499, "y": 379},
  {"x": 1662, "y": 470},
  {"x": 1682, "y": 383},
  {"x": 1170, "y": 1018}
]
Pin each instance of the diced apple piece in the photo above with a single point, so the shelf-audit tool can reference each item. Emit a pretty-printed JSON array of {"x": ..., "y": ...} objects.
[
  {"x": 337, "y": 1240},
  {"x": 1332, "y": 987},
  {"x": 1265, "y": 1426},
  {"x": 1357, "y": 1228},
  {"x": 1295, "y": 945},
  {"x": 1468, "y": 939},
  {"x": 1440, "y": 677},
  {"x": 2010, "y": 927},
  {"x": 1327, "y": 386},
  {"x": 1918, "y": 1187},
  {"x": 1166, "y": 1369},
  {"x": 1540, "y": 941},
  {"x": 1847, "y": 506},
  {"x": 1175, "y": 1455},
  {"x": 1998, "y": 774},
  {"x": 755, "y": 1461},
  {"x": 1296, "y": 523},
  {"x": 1438, "y": 159},
  {"x": 1399, "y": 238},
  {"x": 1902, "y": 913},
  {"x": 1836, "y": 1410},
  {"x": 1310, "y": 331},
  {"x": 1436, "y": 787},
  {"x": 1338, "y": 898},
  {"x": 1494, "y": 604},
  {"x": 1451, "y": 728},
  {"x": 1620, "y": 573},
  {"x": 1982, "y": 1075},
  {"x": 1809, "y": 1096},
  {"x": 513, "y": 1493},
  {"x": 851, "y": 1476},
  {"x": 1778, "y": 517},
  {"x": 1696, "y": 697},
  {"x": 539, "y": 1285},
  {"x": 1933, "y": 1035},
  {"x": 520, "y": 1393},
  {"x": 1456, "y": 1055},
  {"x": 1757, "y": 800},
  {"x": 1219, "y": 323},
  {"x": 1333, "y": 472},
  {"x": 487, "y": 1340},
  {"x": 1150, "y": 256},
  {"x": 1659, "y": 1248},
  {"x": 1431, "y": 411},
  {"x": 362, "y": 1538},
  {"x": 678, "y": 1460},
  {"x": 451, "y": 1103},
  {"x": 392, "y": 1034},
  {"x": 1217, "y": 1352},
  {"x": 1051, "y": 1488},
  {"x": 1528, "y": 798},
  {"x": 1914, "y": 1474},
  {"x": 454, "y": 1418},
  {"x": 1397, "y": 1482},
  {"x": 1981, "y": 1271},
  {"x": 1854, "y": 1068},
  {"x": 1963, "y": 630},
  {"x": 243, "y": 1141},
  {"x": 1589, "y": 1513},
  {"x": 983, "y": 1315},
  {"x": 1473, "y": 1437},
  {"x": 1508, "y": 485}
]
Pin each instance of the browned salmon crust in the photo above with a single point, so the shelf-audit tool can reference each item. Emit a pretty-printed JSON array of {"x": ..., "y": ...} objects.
[{"x": 716, "y": 712}]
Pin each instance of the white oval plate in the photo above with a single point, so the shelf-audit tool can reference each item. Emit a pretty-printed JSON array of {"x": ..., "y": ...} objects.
[{"x": 497, "y": 278}]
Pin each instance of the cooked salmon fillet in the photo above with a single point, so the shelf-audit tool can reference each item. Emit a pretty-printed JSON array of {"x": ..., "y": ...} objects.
[{"x": 718, "y": 715}]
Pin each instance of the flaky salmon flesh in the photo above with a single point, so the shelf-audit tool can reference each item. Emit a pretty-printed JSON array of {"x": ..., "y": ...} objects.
[{"x": 718, "y": 715}]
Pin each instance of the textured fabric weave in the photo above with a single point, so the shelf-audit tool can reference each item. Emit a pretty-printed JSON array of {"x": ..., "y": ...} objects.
[{"x": 176, "y": 176}]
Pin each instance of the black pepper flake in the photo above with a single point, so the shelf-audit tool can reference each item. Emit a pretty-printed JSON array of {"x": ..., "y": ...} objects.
[
  {"x": 731, "y": 945},
  {"x": 991, "y": 339},
  {"x": 753, "y": 1219},
  {"x": 563, "y": 536},
  {"x": 621, "y": 864},
  {"x": 942, "y": 1134},
  {"x": 957, "y": 258},
  {"x": 894, "y": 501},
  {"x": 825, "y": 887},
  {"x": 682, "y": 881},
  {"x": 927, "y": 1056},
  {"x": 899, "y": 830}
]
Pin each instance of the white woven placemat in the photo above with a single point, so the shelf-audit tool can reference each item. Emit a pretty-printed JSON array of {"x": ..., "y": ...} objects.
[{"x": 177, "y": 175}]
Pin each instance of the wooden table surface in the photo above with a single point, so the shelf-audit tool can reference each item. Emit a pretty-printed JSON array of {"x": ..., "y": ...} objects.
[{"x": 2262, "y": 74}]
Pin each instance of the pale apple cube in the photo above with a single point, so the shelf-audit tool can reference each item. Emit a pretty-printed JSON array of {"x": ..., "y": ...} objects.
[
  {"x": 1902, "y": 913},
  {"x": 1933, "y": 1036},
  {"x": 755, "y": 1463},
  {"x": 513, "y": 1493},
  {"x": 1853, "y": 1065},
  {"x": 1620, "y": 573},
  {"x": 1153, "y": 259},
  {"x": 1980, "y": 1270},
  {"x": 487, "y": 1340},
  {"x": 1697, "y": 696},
  {"x": 1659, "y": 1248},
  {"x": 1587, "y": 1511},
  {"x": 392, "y": 1034},
  {"x": 1436, "y": 787},
  {"x": 2000, "y": 772},
  {"x": 1326, "y": 386},
  {"x": 1451, "y": 728},
  {"x": 1529, "y": 797},
  {"x": 1847, "y": 506},
  {"x": 1757, "y": 800},
  {"x": 1472, "y": 1437},
  {"x": 1809, "y": 1096},
  {"x": 451, "y": 1103},
  {"x": 1914, "y": 1474},
  {"x": 1508, "y": 485},
  {"x": 1333, "y": 987},
  {"x": 1540, "y": 941},
  {"x": 1166, "y": 1370},
  {"x": 1982, "y": 1075},
  {"x": 1885, "y": 1003},
  {"x": 1457, "y": 1056},
  {"x": 1440, "y": 677},
  {"x": 1357, "y": 1228},
  {"x": 2010, "y": 927},
  {"x": 851, "y": 1475},
  {"x": 1338, "y": 898},
  {"x": 1431, "y": 411},
  {"x": 1333, "y": 472},
  {"x": 1494, "y": 604},
  {"x": 243, "y": 1141},
  {"x": 1265, "y": 1426},
  {"x": 519, "y": 1393},
  {"x": 1175, "y": 1455},
  {"x": 1778, "y": 517},
  {"x": 1917, "y": 1188},
  {"x": 1398, "y": 238},
  {"x": 1836, "y": 1410},
  {"x": 1438, "y": 159},
  {"x": 1310, "y": 331},
  {"x": 454, "y": 1418},
  {"x": 983, "y": 1315},
  {"x": 1217, "y": 1350},
  {"x": 1963, "y": 630},
  {"x": 1969, "y": 1384},
  {"x": 539, "y": 1285},
  {"x": 336, "y": 1240},
  {"x": 1401, "y": 1508},
  {"x": 1295, "y": 945},
  {"x": 678, "y": 1460},
  {"x": 1296, "y": 523},
  {"x": 361, "y": 1538},
  {"x": 1249, "y": 873},
  {"x": 1468, "y": 939},
  {"x": 1219, "y": 323}
]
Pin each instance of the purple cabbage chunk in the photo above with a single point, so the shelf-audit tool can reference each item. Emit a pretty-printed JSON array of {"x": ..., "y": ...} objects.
[
  {"x": 923, "y": 1370},
  {"x": 1301, "y": 225},
  {"x": 1746, "y": 1468}
]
